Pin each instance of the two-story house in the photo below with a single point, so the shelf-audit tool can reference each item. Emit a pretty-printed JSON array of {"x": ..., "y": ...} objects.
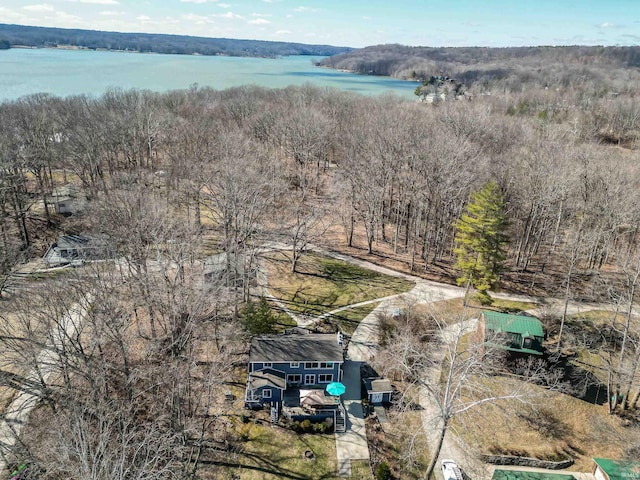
[{"x": 291, "y": 373}]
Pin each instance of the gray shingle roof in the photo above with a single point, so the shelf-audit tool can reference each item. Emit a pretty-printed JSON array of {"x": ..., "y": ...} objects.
[
  {"x": 377, "y": 385},
  {"x": 268, "y": 377},
  {"x": 316, "y": 347}
]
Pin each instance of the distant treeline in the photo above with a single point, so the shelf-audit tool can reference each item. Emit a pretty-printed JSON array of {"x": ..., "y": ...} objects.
[
  {"x": 517, "y": 66},
  {"x": 11, "y": 35}
]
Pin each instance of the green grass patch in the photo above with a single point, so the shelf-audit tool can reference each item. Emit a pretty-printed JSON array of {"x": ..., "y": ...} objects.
[
  {"x": 512, "y": 306},
  {"x": 360, "y": 469},
  {"x": 348, "y": 320},
  {"x": 597, "y": 317},
  {"x": 275, "y": 453},
  {"x": 283, "y": 321},
  {"x": 323, "y": 284}
]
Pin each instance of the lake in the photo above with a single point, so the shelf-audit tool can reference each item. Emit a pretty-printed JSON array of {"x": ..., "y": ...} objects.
[{"x": 72, "y": 72}]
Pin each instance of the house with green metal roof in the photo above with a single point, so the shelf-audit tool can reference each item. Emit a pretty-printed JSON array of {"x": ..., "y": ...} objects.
[
  {"x": 517, "y": 334},
  {"x": 606, "y": 469}
]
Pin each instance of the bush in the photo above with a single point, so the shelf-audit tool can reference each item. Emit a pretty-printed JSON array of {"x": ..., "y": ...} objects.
[
  {"x": 245, "y": 433},
  {"x": 383, "y": 471},
  {"x": 320, "y": 427},
  {"x": 305, "y": 426}
]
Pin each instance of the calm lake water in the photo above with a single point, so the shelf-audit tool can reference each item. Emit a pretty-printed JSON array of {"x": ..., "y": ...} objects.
[{"x": 71, "y": 72}]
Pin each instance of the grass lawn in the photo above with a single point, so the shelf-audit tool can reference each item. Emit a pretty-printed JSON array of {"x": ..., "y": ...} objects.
[
  {"x": 348, "y": 320},
  {"x": 323, "y": 284},
  {"x": 553, "y": 426},
  {"x": 508, "y": 306},
  {"x": 548, "y": 424},
  {"x": 275, "y": 453}
]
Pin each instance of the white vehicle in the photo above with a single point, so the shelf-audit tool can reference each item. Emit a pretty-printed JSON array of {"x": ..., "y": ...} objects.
[{"x": 451, "y": 471}]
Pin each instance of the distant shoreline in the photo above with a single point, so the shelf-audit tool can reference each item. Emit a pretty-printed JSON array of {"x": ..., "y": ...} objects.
[
  {"x": 28, "y": 37},
  {"x": 78, "y": 48}
]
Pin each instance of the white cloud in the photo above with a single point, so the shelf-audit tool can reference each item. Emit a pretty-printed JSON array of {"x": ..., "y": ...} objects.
[
  {"x": 67, "y": 18},
  {"x": 305, "y": 9},
  {"x": 143, "y": 18},
  {"x": 608, "y": 25},
  {"x": 259, "y": 21},
  {"x": 7, "y": 14},
  {"x": 199, "y": 19},
  {"x": 283, "y": 32},
  {"x": 195, "y": 1},
  {"x": 228, "y": 15},
  {"x": 43, "y": 7},
  {"x": 224, "y": 5},
  {"x": 97, "y": 2},
  {"x": 261, "y": 15},
  {"x": 110, "y": 13}
]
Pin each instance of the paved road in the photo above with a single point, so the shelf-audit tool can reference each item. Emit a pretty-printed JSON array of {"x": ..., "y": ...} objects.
[
  {"x": 363, "y": 346},
  {"x": 17, "y": 414},
  {"x": 352, "y": 444}
]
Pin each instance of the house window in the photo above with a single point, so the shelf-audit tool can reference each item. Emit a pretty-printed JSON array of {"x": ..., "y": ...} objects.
[
  {"x": 311, "y": 365},
  {"x": 309, "y": 379},
  {"x": 267, "y": 365},
  {"x": 527, "y": 342},
  {"x": 294, "y": 364},
  {"x": 266, "y": 393},
  {"x": 326, "y": 364},
  {"x": 294, "y": 379},
  {"x": 325, "y": 378}
]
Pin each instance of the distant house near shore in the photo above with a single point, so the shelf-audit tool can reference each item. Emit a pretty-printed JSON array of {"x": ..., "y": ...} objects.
[
  {"x": 72, "y": 249},
  {"x": 517, "y": 334},
  {"x": 65, "y": 200}
]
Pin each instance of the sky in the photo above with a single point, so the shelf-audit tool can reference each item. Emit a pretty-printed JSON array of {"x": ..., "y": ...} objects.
[{"x": 353, "y": 23}]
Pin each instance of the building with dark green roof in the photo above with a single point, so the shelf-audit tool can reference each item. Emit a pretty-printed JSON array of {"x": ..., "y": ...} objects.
[
  {"x": 517, "y": 334},
  {"x": 606, "y": 469}
]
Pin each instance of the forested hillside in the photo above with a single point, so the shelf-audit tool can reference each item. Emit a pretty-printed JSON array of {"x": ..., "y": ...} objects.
[
  {"x": 512, "y": 68},
  {"x": 167, "y": 180},
  {"x": 394, "y": 174},
  {"x": 156, "y": 43}
]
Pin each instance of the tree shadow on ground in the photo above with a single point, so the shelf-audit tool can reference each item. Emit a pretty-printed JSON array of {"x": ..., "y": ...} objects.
[{"x": 562, "y": 373}]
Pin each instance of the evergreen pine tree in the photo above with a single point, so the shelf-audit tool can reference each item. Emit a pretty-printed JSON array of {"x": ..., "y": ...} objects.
[
  {"x": 258, "y": 319},
  {"x": 480, "y": 241}
]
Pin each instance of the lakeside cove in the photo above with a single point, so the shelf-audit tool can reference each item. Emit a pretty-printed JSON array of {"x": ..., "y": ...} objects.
[{"x": 65, "y": 72}]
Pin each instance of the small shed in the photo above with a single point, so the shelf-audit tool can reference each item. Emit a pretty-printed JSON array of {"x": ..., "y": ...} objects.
[
  {"x": 606, "y": 469},
  {"x": 65, "y": 200},
  {"x": 517, "y": 334},
  {"x": 379, "y": 390}
]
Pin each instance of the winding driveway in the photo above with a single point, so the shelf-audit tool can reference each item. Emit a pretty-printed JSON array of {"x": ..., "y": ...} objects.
[
  {"x": 352, "y": 445},
  {"x": 17, "y": 414}
]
